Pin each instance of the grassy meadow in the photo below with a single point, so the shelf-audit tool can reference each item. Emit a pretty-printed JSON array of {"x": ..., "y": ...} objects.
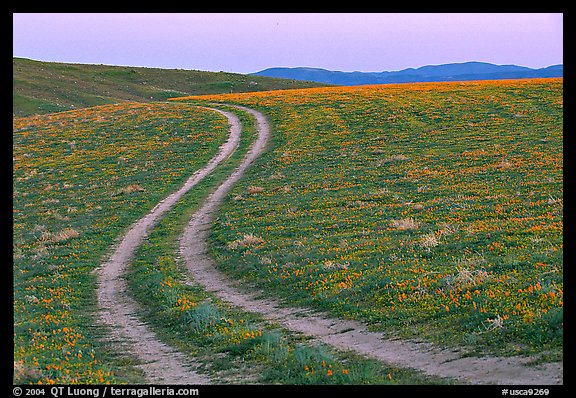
[
  {"x": 80, "y": 179},
  {"x": 46, "y": 87},
  {"x": 235, "y": 346},
  {"x": 432, "y": 211}
]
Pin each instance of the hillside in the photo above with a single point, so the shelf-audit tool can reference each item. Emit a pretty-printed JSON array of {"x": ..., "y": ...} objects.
[
  {"x": 430, "y": 73},
  {"x": 431, "y": 214},
  {"x": 45, "y": 87},
  {"x": 429, "y": 210}
]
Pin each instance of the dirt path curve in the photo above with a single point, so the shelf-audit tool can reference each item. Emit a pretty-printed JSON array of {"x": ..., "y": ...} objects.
[
  {"x": 161, "y": 363},
  {"x": 344, "y": 334}
]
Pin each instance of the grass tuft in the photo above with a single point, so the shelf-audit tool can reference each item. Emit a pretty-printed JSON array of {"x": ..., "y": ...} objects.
[
  {"x": 247, "y": 240},
  {"x": 404, "y": 224},
  {"x": 61, "y": 236}
]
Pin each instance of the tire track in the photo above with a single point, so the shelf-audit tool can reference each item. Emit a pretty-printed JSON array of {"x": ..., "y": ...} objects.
[
  {"x": 117, "y": 310},
  {"x": 344, "y": 334}
]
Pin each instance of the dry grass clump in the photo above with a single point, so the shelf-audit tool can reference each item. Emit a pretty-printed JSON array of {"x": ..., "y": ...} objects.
[
  {"x": 396, "y": 158},
  {"x": 392, "y": 159},
  {"x": 254, "y": 190},
  {"x": 552, "y": 201},
  {"x": 429, "y": 241},
  {"x": 41, "y": 252},
  {"x": 248, "y": 240},
  {"x": 265, "y": 261},
  {"x": 24, "y": 374},
  {"x": 277, "y": 176},
  {"x": 333, "y": 264},
  {"x": 60, "y": 217},
  {"x": 447, "y": 229},
  {"x": 406, "y": 223},
  {"x": 472, "y": 261},
  {"x": 131, "y": 188},
  {"x": 467, "y": 275},
  {"x": 493, "y": 324},
  {"x": 64, "y": 235}
]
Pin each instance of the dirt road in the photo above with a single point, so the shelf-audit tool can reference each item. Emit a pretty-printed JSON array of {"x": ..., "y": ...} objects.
[
  {"x": 164, "y": 365},
  {"x": 161, "y": 364},
  {"x": 344, "y": 334}
]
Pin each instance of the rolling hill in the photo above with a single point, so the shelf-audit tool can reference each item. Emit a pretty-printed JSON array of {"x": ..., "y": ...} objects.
[
  {"x": 431, "y": 210},
  {"x": 45, "y": 87},
  {"x": 430, "y": 73}
]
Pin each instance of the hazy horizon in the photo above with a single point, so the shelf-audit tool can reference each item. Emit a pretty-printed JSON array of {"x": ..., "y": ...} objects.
[{"x": 270, "y": 67}]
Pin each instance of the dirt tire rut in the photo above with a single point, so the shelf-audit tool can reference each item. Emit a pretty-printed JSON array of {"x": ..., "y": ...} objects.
[
  {"x": 160, "y": 363},
  {"x": 344, "y": 334}
]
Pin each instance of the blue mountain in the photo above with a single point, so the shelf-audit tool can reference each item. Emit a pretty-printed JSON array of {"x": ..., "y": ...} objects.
[{"x": 430, "y": 73}]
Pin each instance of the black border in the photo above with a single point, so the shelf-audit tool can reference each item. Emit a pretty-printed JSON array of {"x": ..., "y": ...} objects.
[{"x": 7, "y": 332}]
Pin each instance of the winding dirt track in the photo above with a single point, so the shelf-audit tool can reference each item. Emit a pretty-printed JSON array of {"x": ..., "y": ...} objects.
[
  {"x": 344, "y": 334},
  {"x": 161, "y": 364},
  {"x": 164, "y": 365}
]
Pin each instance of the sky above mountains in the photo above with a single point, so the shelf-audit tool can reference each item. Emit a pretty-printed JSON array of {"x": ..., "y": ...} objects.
[{"x": 246, "y": 43}]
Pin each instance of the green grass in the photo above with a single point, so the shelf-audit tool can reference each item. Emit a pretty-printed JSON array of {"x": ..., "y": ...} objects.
[
  {"x": 80, "y": 179},
  {"x": 46, "y": 87},
  {"x": 235, "y": 346},
  {"x": 429, "y": 210}
]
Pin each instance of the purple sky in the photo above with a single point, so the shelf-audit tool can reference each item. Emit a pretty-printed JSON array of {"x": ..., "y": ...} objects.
[{"x": 247, "y": 43}]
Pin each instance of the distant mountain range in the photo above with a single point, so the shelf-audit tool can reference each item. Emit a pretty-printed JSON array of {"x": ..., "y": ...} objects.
[{"x": 430, "y": 73}]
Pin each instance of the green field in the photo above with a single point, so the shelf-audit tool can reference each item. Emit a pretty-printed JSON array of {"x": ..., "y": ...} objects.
[
  {"x": 80, "y": 179},
  {"x": 235, "y": 346},
  {"x": 46, "y": 87},
  {"x": 431, "y": 211}
]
